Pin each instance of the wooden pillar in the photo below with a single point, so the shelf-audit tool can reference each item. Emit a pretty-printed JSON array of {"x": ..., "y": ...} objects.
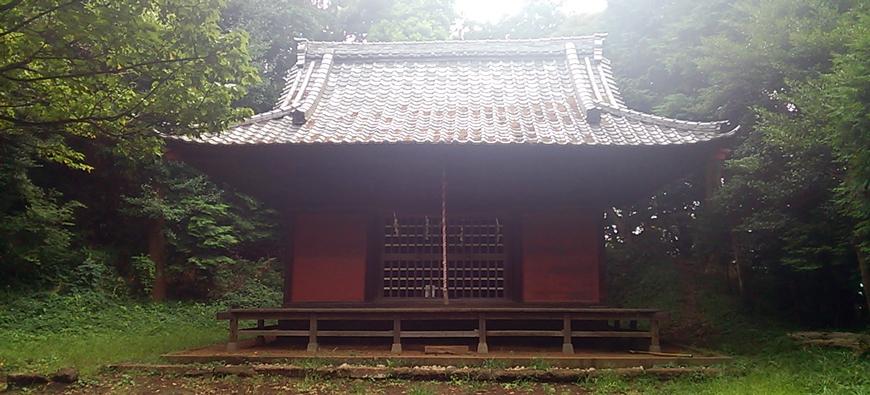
[
  {"x": 287, "y": 258},
  {"x": 287, "y": 272},
  {"x": 482, "y": 347},
  {"x": 312, "y": 334},
  {"x": 397, "y": 335},
  {"x": 567, "y": 343},
  {"x": 655, "y": 341},
  {"x": 261, "y": 340},
  {"x": 232, "y": 345}
]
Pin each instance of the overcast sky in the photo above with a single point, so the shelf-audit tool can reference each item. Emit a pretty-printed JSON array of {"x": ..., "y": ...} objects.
[{"x": 493, "y": 10}]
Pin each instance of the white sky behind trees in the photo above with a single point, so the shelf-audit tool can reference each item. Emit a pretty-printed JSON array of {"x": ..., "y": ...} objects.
[{"x": 494, "y": 10}]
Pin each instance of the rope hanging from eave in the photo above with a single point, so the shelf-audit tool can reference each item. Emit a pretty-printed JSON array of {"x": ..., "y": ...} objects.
[{"x": 444, "y": 234}]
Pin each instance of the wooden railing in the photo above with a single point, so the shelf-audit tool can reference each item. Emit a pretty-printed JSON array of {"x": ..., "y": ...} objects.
[{"x": 482, "y": 315}]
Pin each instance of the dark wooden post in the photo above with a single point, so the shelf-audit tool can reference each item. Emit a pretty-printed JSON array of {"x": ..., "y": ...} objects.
[
  {"x": 232, "y": 345},
  {"x": 287, "y": 260},
  {"x": 312, "y": 334},
  {"x": 397, "y": 335},
  {"x": 655, "y": 341},
  {"x": 567, "y": 343},
  {"x": 261, "y": 340},
  {"x": 482, "y": 347}
]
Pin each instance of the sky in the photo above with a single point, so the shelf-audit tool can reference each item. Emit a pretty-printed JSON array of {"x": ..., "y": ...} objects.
[{"x": 494, "y": 10}]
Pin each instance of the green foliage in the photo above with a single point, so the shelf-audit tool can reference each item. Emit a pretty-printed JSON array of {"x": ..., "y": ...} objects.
[
  {"x": 102, "y": 77},
  {"x": 35, "y": 225},
  {"x": 272, "y": 25},
  {"x": 208, "y": 229},
  {"x": 143, "y": 270},
  {"x": 780, "y": 225},
  {"x": 116, "y": 71},
  {"x": 536, "y": 19},
  {"x": 396, "y": 20},
  {"x": 247, "y": 284}
]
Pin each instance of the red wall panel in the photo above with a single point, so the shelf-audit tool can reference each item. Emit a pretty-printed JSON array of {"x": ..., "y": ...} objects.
[
  {"x": 561, "y": 257},
  {"x": 329, "y": 258}
]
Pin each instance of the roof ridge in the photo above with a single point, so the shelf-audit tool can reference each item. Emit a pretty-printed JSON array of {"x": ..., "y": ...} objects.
[
  {"x": 594, "y": 36},
  {"x": 660, "y": 120}
]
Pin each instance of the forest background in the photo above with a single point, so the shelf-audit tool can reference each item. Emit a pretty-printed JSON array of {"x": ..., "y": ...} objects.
[{"x": 84, "y": 85}]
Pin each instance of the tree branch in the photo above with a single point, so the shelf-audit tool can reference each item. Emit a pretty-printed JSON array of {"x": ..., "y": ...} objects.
[
  {"x": 10, "y": 5},
  {"x": 102, "y": 72},
  {"x": 89, "y": 119},
  {"x": 37, "y": 16}
]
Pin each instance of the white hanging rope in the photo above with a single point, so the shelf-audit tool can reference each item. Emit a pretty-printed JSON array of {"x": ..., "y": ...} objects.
[{"x": 444, "y": 234}]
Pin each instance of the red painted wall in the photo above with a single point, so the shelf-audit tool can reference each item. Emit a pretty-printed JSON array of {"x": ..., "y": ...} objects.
[
  {"x": 329, "y": 258},
  {"x": 560, "y": 259}
]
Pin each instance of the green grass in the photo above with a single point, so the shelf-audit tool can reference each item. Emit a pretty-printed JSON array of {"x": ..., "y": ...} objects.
[
  {"x": 782, "y": 372},
  {"x": 45, "y": 332}
]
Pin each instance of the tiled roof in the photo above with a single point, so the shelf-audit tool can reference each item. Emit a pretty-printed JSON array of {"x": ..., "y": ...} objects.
[{"x": 540, "y": 91}]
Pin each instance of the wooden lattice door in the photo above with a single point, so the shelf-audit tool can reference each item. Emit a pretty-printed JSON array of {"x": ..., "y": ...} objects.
[{"x": 412, "y": 258}]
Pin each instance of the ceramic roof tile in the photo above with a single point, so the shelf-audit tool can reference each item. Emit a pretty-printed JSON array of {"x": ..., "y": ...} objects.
[{"x": 542, "y": 91}]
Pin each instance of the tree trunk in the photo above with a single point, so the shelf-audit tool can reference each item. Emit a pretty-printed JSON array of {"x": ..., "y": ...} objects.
[
  {"x": 864, "y": 268},
  {"x": 737, "y": 266},
  {"x": 157, "y": 253}
]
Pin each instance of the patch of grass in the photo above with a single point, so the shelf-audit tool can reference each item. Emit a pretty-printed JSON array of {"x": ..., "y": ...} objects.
[
  {"x": 539, "y": 364},
  {"x": 493, "y": 364},
  {"x": 42, "y": 333},
  {"x": 415, "y": 388},
  {"x": 468, "y": 384},
  {"x": 311, "y": 363},
  {"x": 519, "y": 385},
  {"x": 316, "y": 384}
]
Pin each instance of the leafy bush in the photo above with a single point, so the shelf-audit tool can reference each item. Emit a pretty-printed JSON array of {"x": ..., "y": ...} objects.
[
  {"x": 248, "y": 284},
  {"x": 209, "y": 230}
]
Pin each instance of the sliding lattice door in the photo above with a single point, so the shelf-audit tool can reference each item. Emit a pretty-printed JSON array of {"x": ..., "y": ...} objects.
[{"x": 412, "y": 258}]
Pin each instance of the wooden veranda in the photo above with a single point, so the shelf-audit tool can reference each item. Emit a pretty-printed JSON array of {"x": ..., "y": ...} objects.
[{"x": 474, "y": 322}]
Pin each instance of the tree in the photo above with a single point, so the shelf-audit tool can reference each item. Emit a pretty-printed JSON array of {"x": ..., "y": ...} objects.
[
  {"x": 395, "y": 20},
  {"x": 78, "y": 74},
  {"x": 831, "y": 113},
  {"x": 777, "y": 217},
  {"x": 272, "y": 26}
]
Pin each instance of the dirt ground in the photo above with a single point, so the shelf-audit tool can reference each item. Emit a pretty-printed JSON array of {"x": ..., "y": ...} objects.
[{"x": 117, "y": 383}]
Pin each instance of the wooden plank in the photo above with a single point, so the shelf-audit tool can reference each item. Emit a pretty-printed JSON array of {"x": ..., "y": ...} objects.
[
  {"x": 519, "y": 308},
  {"x": 636, "y": 334},
  {"x": 422, "y": 315},
  {"x": 438, "y": 334},
  {"x": 361, "y": 333},
  {"x": 275, "y": 332},
  {"x": 416, "y": 257},
  {"x": 530, "y": 333},
  {"x": 450, "y": 350}
]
